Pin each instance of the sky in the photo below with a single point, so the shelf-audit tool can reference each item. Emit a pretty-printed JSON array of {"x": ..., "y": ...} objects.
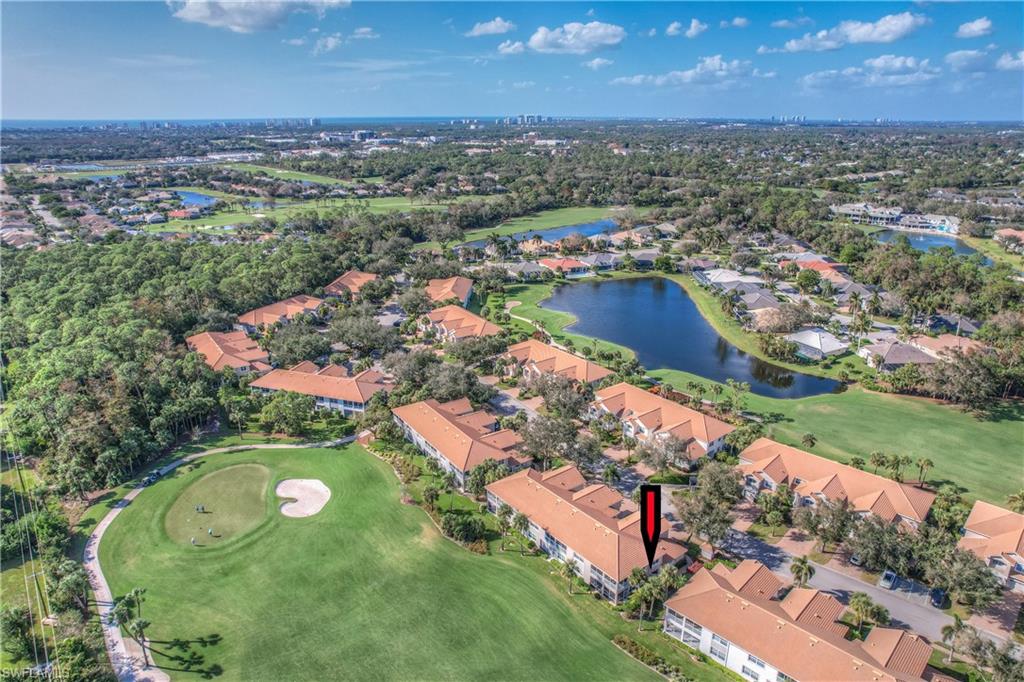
[{"x": 330, "y": 58}]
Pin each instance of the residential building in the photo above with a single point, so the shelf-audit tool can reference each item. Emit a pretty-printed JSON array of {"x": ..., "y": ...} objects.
[
  {"x": 996, "y": 535},
  {"x": 953, "y": 323},
  {"x": 602, "y": 261},
  {"x": 944, "y": 346},
  {"x": 348, "y": 395},
  {"x": 766, "y": 465},
  {"x": 646, "y": 416},
  {"x": 532, "y": 358},
  {"x": 889, "y": 356},
  {"x": 351, "y": 282},
  {"x": 815, "y": 343},
  {"x": 588, "y": 523},
  {"x": 716, "y": 278},
  {"x": 459, "y": 437},
  {"x": 451, "y": 323},
  {"x": 794, "y": 639},
  {"x": 895, "y": 217},
  {"x": 281, "y": 312},
  {"x": 457, "y": 288},
  {"x": 570, "y": 267},
  {"x": 230, "y": 349}
]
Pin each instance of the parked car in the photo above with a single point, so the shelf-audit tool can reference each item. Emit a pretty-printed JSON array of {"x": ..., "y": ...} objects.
[
  {"x": 889, "y": 580},
  {"x": 856, "y": 560},
  {"x": 937, "y": 597}
]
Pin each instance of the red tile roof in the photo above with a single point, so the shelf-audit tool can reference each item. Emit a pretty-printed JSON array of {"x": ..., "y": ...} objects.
[
  {"x": 357, "y": 389},
  {"x": 229, "y": 349},
  {"x": 282, "y": 310},
  {"x": 352, "y": 281}
]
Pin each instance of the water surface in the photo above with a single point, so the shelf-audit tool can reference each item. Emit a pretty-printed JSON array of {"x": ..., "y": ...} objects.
[
  {"x": 926, "y": 241},
  {"x": 552, "y": 234},
  {"x": 657, "y": 319}
]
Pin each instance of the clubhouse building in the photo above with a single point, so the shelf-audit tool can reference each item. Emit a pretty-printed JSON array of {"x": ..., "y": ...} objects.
[
  {"x": 590, "y": 523},
  {"x": 330, "y": 386},
  {"x": 735, "y": 617},
  {"x": 646, "y": 416},
  {"x": 458, "y": 437},
  {"x": 766, "y": 465},
  {"x": 532, "y": 358}
]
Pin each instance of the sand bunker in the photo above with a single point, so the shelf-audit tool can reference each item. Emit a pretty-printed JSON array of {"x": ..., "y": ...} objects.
[{"x": 307, "y": 496}]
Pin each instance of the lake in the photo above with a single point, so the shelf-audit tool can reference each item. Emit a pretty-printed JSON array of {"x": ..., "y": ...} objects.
[
  {"x": 657, "y": 319},
  {"x": 196, "y": 199},
  {"x": 926, "y": 241},
  {"x": 551, "y": 234}
]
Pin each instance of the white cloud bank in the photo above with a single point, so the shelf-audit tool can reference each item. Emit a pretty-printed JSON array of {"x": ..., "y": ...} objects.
[
  {"x": 888, "y": 29},
  {"x": 710, "y": 71},
  {"x": 981, "y": 26},
  {"x": 494, "y": 27},
  {"x": 576, "y": 38},
  {"x": 885, "y": 71},
  {"x": 247, "y": 16}
]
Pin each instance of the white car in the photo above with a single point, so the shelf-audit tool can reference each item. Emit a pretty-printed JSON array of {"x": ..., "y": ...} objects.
[{"x": 889, "y": 580}]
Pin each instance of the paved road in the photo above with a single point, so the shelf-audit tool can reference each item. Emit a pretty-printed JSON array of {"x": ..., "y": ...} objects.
[
  {"x": 908, "y": 604},
  {"x": 125, "y": 654},
  {"x": 505, "y": 405}
]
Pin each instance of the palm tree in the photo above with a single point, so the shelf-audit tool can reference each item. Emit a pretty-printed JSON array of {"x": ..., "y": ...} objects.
[
  {"x": 854, "y": 302},
  {"x": 1016, "y": 502},
  {"x": 952, "y": 632},
  {"x": 878, "y": 459},
  {"x": 809, "y": 440},
  {"x": 504, "y": 522},
  {"x": 875, "y": 303},
  {"x": 137, "y": 629},
  {"x": 863, "y": 609},
  {"x": 802, "y": 570},
  {"x": 857, "y": 463},
  {"x": 923, "y": 465},
  {"x": 449, "y": 485},
  {"x": 522, "y": 525},
  {"x": 568, "y": 571},
  {"x": 610, "y": 473},
  {"x": 135, "y": 597}
]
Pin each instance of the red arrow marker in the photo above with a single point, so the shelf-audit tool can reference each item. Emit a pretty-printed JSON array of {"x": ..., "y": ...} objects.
[{"x": 650, "y": 519}]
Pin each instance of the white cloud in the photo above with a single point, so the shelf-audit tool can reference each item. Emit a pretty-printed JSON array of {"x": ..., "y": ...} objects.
[
  {"x": 696, "y": 28},
  {"x": 576, "y": 38},
  {"x": 709, "y": 71},
  {"x": 522, "y": 85},
  {"x": 294, "y": 41},
  {"x": 879, "y": 72},
  {"x": 328, "y": 43},
  {"x": 364, "y": 33},
  {"x": 1009, "y": 62},
  {"x": 981, "y": 26},
  {"x": 796, "y": 22},
  {"x": 511, "y": 47},
  {"x": 674, "y": 29},
  {"x": 598, "y": 63},
  {"x": 494, "y": 27},
  {"x": 737, "y": 22},
  {"x": 968, "y": 61},
  {"x": 888, "y": 29},
  {"x": 652, "y": 32},
  {"x": 247, "y": 16},
  {"x": 590, "y": 12}
]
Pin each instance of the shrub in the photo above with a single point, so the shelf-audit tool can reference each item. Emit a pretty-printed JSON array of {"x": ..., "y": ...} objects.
[{"x": 463, "y": 528}]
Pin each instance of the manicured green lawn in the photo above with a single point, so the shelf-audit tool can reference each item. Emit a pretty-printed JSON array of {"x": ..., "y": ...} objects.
[
  {"x": 544, "y": 220},
  {"x": 284, "y": 174},
  {"x": 981, "y": 454},
  {"x": 282, "y": 212},
  {"x": 366, "y": 589},
  {"x": 990, "y": 248},
  {"x": 228, "y": 502}
]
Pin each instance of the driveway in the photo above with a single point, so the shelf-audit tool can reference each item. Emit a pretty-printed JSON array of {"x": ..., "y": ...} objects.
[{"x": 507, "y": 402}]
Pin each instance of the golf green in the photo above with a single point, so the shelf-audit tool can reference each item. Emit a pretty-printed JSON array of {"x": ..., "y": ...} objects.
[
  {"x": 366, "y": 589},
  {"x": 219, "y": 506}
]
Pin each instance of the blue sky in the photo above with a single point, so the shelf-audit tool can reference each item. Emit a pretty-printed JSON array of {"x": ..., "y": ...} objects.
[{"x": 924, "y": 61}]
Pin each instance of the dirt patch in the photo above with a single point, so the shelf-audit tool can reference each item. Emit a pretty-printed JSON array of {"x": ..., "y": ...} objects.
[{"x": 305, "y": 496}]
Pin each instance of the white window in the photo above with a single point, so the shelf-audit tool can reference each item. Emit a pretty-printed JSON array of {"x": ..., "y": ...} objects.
[
  {"x": 747, "y": 672},
  {"x": 751, "y": 658},
  {"x": 719, "y": 648}
]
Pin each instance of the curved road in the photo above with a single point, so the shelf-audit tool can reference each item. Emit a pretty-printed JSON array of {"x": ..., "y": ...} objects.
[{"x": 125, "y": 655}]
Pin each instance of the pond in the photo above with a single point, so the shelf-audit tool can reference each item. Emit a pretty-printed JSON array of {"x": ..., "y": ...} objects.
[
  {"x": 926, "y": 241},
  {"x": 196, "y": 199},
  {"x": 657, "y": 319},
  {"x": 551, "y": 234}
]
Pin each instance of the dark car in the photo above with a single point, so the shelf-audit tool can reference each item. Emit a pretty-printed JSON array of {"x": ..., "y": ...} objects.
[{"x": 937, "y": 597}]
